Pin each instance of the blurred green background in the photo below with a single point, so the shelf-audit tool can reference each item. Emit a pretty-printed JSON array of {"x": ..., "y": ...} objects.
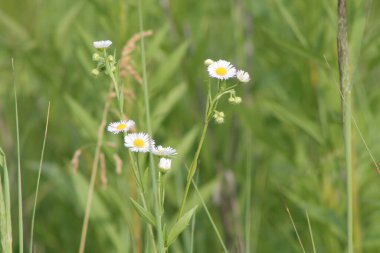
[{"x": 282, "y": 147}]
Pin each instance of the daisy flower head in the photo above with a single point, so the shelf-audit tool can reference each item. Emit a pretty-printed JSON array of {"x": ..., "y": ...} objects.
[
  {"x": 221, "y": 70},
  {"x": 161, "y": 151},
  {"x": 138, "y": 142},
  {"x": 121, "y": 126},
  {"x": 101, "y": 44},
  {"x": 243, "y": 76},
  {"x": 165, "y": 165}
]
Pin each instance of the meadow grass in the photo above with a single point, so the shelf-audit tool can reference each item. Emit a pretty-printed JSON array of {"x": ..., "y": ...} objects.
[{"x": 283, "y": 144}]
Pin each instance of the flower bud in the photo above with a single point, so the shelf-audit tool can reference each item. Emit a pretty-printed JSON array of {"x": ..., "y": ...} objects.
[
  {"x": 95, "y": 72},
  {"x": 208, "y": 62},
  {"x": 238, "y": 100},
  {"x": 96, "y": 57},
  {"x": 219, "y": 120},
  {"x": 165, "y": 165},
  {"x": 243, "y": 76},
  {"x": 110, "y": 58}
]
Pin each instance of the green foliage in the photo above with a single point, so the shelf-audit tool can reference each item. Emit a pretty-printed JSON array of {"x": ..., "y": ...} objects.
[
  {"x": 180, "y": 225},
  {"x": 144, "y": 214},
  {"x": 291, "y": 111}
]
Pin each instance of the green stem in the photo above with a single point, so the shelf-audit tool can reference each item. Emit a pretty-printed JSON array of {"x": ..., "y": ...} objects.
[
  {"x": 135, "y": 166},
  {"x": 140, "y": 185},
  {"x": 7, "y": 236},
  {"x": 20, "y": 220},
  {"x": 210, "y": 217},
  {"x": 38, "y": 181},
  {"x": 153, "y": 172},
  {"x": 94, "y": 170},
  {"x": 194, "y": 164},
  {"x": 119, "y": 101},
  {"x": 345, "y": 89}
]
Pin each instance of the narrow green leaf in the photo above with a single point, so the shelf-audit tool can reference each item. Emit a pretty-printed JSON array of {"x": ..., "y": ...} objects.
[
  {"x": 294, "y": 118},
  {"x": 146, "y": 215},
  {"x": 167, "y": 104},
  {"x": 180, "y": 225},
  {"x": 87, "y": 122},
  {"x": 291, "y": 22},
  {"x": 168, "y": 67},
  {"x": 5, "y": 212},
  {"x": 66, "y": 23}
]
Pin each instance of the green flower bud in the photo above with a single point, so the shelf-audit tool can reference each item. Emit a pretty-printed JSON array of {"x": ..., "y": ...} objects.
[
  {"x": 219, "y": 120},
  {"x": 96, "y": 57},
  {"x": 238, "y": 100},
  {"x": 110, "y": 58},
  {"x": 95, "y": 72},
  {"x": 208, "y": 62}
]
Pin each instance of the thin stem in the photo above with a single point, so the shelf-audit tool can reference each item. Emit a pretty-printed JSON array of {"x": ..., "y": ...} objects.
[
  {"x": 210, "y": 217},
  {"x": 311, "y": 233},
  {"x": 295, "y": 229},
  {"x": 153, "y": 172},
  {"x": 345, "y": 88},
  {"x": 138, "y": 178},
  {"x": 248, "y": 199},
  {"x": 193, "y": 167},
  {"x": 93, "y": 176},
  {"x": 20, "y": 220},
  {"x": 120, "y": 104},
  {"x": 38, "y": 180},
  {"x": 7, "y": 239}
]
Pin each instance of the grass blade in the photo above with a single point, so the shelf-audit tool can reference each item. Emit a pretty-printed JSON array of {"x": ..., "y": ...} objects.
[
  {"x": 295, "y": 229},
  {"x": 38, "y": 180},
  {"x": 5, "y": 211},
  {"x": 153, "y": 171},
  {"x": 311, "y": 232},
  {"x": 20, "y": 222},
  {"x": 210, "y": 217}
]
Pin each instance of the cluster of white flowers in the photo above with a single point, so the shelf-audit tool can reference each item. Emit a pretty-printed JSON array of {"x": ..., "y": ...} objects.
[
  {"x": 104, "y": 62},
  {"x": 142, "y": 142},
  {"x": 224, "y": 70}
]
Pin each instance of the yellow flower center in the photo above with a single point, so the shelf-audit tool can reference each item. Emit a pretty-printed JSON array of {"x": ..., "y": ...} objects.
[
  {"x": 221, "y": 71},
  {"x": 139, "y": 143},
  {"x": 121, "y": 126}
]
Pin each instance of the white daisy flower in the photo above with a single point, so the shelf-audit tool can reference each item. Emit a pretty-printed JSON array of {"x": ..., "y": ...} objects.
[
  {"x": 165, "y": 165},
  {"x": 221, "y": 70},
  {"x": 138, "y": 142},
  {"x": 121, "y": 126},
  {"x": 243, "y": 76},
  {"x": 161, "y": 151},
  {"x": 102, "y": 44}
]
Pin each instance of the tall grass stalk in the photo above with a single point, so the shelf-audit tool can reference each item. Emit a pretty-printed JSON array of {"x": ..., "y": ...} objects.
[
  {"x": 345, "y": 88},
  {"x": 295, "y": 229},
  {"x": 311, "y": 232},
  {"x": 19, "y": 182},
  {"x": 153, "y": 172},
  {"x": 38, "y": 181},
  {"x": 5, "y": 217},
  {"x": 248, "y": 199},
  {"x": 210, "y": 217},
  {"x": 93, "y": 175},
  {"x": 194, "y": 163}
]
